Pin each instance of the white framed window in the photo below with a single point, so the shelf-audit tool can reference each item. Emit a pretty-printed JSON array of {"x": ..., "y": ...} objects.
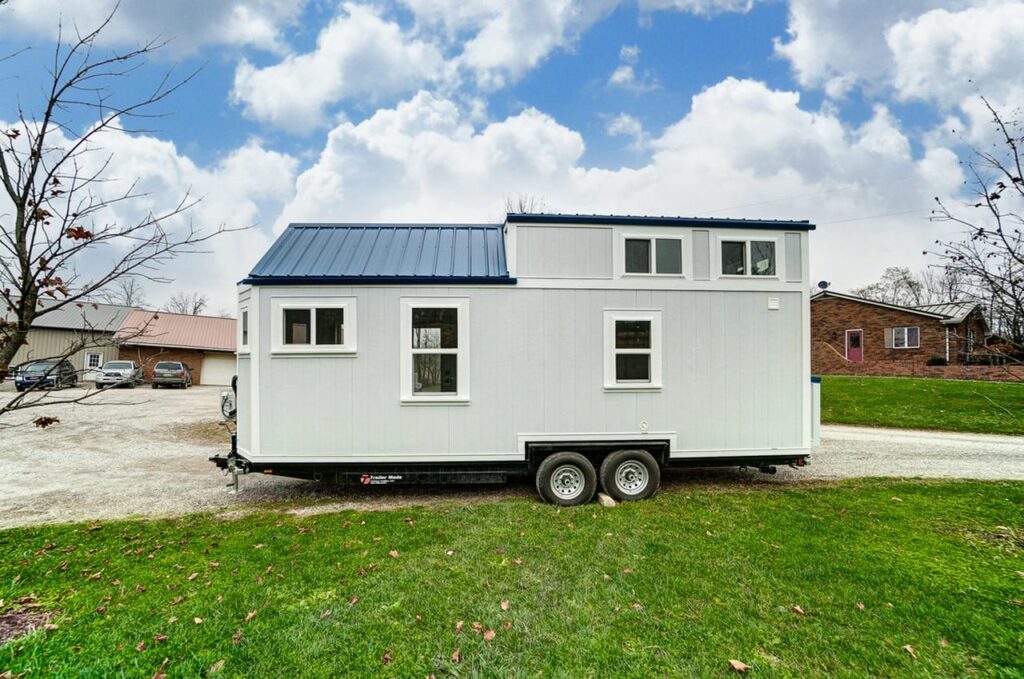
[
  {"x": 970, "y": 341},
  {"x": 748, "y": 257},
  {"x": 903, "y": 338},
  {"x": 243, "y": 329},
  {"x": 313, "y": 325},
  {"x": 652, "y": 255},
  {"x": 632, "y": 349},
  {"x": 435, "y": 350},
  {"x": 93, "y": 360}
]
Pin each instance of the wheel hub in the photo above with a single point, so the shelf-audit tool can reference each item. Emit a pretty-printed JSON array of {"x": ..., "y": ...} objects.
[
  {"x": 631, "y": 477},
  {"x": 567, "y": 481}
]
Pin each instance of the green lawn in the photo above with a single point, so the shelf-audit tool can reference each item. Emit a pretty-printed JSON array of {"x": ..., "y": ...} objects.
[
  {"x": 675, "y": 586},
  {"x": 914, "y": 403}
]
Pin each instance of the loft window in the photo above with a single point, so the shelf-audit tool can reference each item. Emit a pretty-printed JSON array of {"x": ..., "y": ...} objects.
[
  {"x": 310, "y": 325},
  {"x": 632, "y": 349},
  {"x": 435, "y": 355},
  {"x": 654, "y": 255},
  {"x": 748, "y": 258}
]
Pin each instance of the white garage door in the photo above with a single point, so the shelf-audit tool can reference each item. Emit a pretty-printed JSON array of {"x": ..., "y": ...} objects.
[{"x": 217, "y": 368}]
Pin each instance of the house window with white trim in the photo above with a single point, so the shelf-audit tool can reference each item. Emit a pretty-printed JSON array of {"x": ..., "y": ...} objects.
[
  {"x": 632, "y": 349},
  {"x": 435, "y": 351},
  {"x": 903, "y": 338},
  {"x": 93, "y": 360},
  {"x": 310, "y": 325},
  {"x": 650, "y": 255},
  {"x": 748, "y": 257}
]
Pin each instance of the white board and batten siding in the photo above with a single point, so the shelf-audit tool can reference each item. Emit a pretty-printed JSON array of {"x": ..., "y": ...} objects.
[{"x": 735, "y": 359}]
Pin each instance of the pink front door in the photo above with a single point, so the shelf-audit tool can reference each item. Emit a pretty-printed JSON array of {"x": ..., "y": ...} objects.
[{"x": 855, "y": 345}]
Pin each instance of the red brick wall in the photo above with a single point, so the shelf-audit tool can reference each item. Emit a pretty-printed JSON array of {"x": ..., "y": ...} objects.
[
  {"x": 831, "y": 317},
  {"x": 148, "y": 357}
]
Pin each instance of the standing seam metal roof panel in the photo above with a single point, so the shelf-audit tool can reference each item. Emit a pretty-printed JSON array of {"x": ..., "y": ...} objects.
[{"x": 307, "y": 253}]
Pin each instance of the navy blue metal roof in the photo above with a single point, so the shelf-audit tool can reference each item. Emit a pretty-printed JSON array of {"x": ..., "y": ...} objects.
[
  {"x": 638, "y": 220},
  {"x": 384, "y": 253}
]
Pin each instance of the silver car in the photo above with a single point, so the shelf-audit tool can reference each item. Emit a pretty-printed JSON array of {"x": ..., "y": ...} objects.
[{"x": 119, "y": 373}]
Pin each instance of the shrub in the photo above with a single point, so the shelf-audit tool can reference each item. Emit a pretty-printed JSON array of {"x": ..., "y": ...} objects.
[{"x": 937, "y": 360}]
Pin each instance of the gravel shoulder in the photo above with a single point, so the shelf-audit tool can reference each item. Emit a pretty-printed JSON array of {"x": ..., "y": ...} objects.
[{"x": 144, "y": 452}]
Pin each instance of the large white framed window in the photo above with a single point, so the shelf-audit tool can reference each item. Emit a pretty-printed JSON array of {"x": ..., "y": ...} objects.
[
  {"x": 435, "y": 350},
  {"x": 632, "y": 349},
  {"x": 313, "y": 325},
  {"x": 903, "y": 338},
  {"x": 644, "y": 255},
  {"x": 748, "y": 257}
]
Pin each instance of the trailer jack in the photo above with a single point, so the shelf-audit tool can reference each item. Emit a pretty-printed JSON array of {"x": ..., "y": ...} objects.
[{"x": 767, "y": 469}]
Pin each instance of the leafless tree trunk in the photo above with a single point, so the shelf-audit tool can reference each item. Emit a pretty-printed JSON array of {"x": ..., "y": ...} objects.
[
  {"x": 56, "y": 220},
  {"x": 188, "y": 303}
]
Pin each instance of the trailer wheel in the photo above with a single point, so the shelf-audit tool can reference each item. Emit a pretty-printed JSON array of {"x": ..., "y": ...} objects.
[
  {"x": 630, "y": 475},
  {"x": 566, "y": 479}
]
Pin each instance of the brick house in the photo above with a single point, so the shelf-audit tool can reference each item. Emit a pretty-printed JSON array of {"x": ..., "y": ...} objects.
[
  {"x": 855, "y": 336},
  {"x": 206, "y": 344}
]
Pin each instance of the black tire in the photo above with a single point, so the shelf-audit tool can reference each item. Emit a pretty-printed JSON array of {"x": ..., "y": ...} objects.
[
  {"x": 566, "y": 479},
  {"x": 19, "y": 389},
  {"x": 628, "y": 475},
  {"x": 155, "y": 385}
]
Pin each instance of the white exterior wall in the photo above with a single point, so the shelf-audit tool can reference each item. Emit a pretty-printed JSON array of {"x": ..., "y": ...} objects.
[{"x": 736, "y": 375}]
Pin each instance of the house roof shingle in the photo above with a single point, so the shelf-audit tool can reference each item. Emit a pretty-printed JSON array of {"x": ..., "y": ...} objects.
[{"x": 181, "y": 331}]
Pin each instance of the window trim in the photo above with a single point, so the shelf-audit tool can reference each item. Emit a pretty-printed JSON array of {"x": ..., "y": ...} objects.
[
  {"x": 278, "y": 305},
  {"x": 747, "y": 264},
  {"x": 244, "y": 319},
  {"x": 86, "y": 365},
  {"x": 906, "y": 343},
  {"x": 462, "y": 380},
  {"x": 610, "y": 352},
  {"x": 652, "y": 238}
]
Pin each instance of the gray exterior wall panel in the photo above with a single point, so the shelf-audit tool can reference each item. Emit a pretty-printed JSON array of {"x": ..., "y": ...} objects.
[{"x": 564, "y": 252}]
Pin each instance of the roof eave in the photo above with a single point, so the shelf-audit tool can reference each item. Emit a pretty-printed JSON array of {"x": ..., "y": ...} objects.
[
  {"x": 378, "y": 280},
  {"x": 628, "y": 220}
]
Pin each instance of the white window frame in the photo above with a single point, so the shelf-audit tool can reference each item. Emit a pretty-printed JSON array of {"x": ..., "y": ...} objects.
[
  {"x": 747, "y": 264},
  {"x": 612, "y": 315},
  {"x": 278, "y": 305},
  {"x": 652, "y": 238},
  {"x": 461, "y": 395},
  {"x": 906, "y": 336},
  {"x": 245, "y": 319},
  {"x": 88, "y": 355}
]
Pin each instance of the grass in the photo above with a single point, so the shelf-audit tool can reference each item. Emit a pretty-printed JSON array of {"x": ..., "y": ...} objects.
[
  {"x": 675, "y": 586},
  {"x": 914, "y": 403}
]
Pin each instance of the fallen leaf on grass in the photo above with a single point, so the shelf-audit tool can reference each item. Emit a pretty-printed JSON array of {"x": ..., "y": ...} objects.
[
  {"x": 458, "y": 626},
  {"x": 353, "y": 601},
  {"x": 50, "y": 627},
  {"x": 140, "y": 589},
  {"x": 477, "y": 627},
  {"x": 93, "y": 527},
  {"x": 171, "y": 620},
  {"x": 739, "y": 666},
  {"x": 386, "y": 658},
  {"x": 504, "y": 604},
  {"x": 910, "y": 649},
  {"x": 896, "y": 499},
  {"x": 638, "y": 606},
  {"x": 457, "y": 655},
  {"x": 489, "y": 635},
  {"x": 141, "y": 646},
  {"x": 216, "y": 667},
  {"x": 159, "y": 674},
  {"x": 1020, "y": 573},
  {"x": 236, "y": 638},
  {"x": 97, "y": 575},
  {"x": 860, "y": 606},
  {"x": 517, "y": 561},
  {"x": 193, "y": 577},
  {"x": 943, "y": 643},
  {"x": 507, "y": 624},
  {"x": 214, "y": 565},
  {"x": 627, "y": 571},
  {"x": 198, "y": 621},
  {"x": 449, "y": 552},
  {"x": 798, "y": 610},
  {"x": 393, "y": 553},
  {"x": 326, "y": 614},
  {"x": 177, "y": 600},
  {"x": 409, "y": 520},
  {"x": 250, "y": 615},
  {"x": 607, "y": 577},
  {"x": 160, "y": 638}
]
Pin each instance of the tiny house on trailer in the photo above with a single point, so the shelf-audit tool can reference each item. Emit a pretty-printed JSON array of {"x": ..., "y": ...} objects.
[{"x": 586, "y": 350}]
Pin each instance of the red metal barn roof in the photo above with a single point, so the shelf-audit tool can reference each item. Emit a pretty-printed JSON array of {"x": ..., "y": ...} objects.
[{"x": 163, "y": 329}]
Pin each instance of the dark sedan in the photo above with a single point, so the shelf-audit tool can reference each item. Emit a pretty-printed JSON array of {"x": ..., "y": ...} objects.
[{"x": 46, "y": 375}]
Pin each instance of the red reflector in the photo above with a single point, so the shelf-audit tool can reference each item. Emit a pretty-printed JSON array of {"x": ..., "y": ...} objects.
[
  {"x": 181, "y": 374},
  {"x": 800, "y": 462}
]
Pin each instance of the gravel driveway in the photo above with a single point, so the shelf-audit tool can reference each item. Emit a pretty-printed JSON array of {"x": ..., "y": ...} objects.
[{"x": 144, "y": 452}]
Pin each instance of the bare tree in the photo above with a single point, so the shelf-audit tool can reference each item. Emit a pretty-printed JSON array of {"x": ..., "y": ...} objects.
[
  {"x": 941, "y": 285},
  {"x": 125, "y": 291},
  {"x": 989, "y": 257},
  {"x": 524, "y": 203},
  {"x": 188, "y": 303},
  {"x": 58, "y": 216},
  {"x": 898, "y": 285}
]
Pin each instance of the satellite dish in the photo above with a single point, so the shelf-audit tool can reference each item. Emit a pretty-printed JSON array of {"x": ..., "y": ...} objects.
[{"x": 823, "y": 285}]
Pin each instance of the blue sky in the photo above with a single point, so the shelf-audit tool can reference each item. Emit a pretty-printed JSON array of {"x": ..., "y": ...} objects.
[{"x": 434, "y": 110}]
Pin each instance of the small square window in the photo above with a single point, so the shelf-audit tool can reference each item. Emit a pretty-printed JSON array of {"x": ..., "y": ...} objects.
[
  {"x": 435, "y": 328},
  {"x": 734, "y": 258},
  {"x": 913, "y": 337},
  {"x": 297, "y": 323},
  {"x": 638, "y": 255},
  {"x": 330, "y": 326},
  {"x": 435, "y": 373},
  {"x": 668, "y": 256},
  {"x": 435, "y": 355},
  {"x": 632, "y": 334}
]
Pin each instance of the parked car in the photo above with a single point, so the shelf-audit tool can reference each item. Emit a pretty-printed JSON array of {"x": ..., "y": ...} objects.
[
  {"x": 172, "y": 374},
  {"x": 49, "y": 374},
  {"x": 120, "y": 373}
]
